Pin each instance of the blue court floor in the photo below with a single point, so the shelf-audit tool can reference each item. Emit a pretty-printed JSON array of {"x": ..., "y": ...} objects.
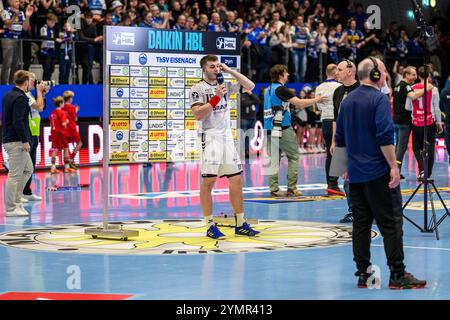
[{"x": 163, "y": 191}]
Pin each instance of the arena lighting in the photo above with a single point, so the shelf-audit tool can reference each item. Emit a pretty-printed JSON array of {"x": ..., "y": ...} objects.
[
  {"x": 426, "y": 3},
  {"x": 433, "y": 3},
  {"x": 410, "y": 14}
]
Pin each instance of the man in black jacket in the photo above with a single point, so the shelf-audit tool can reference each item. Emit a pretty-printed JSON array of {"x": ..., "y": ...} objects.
[
  {"x": 16, "y": 141},
  {"x": 88, "y": 33}
]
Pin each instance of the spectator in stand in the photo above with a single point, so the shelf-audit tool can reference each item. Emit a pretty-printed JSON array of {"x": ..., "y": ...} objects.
[
  {"x": 160, "y": 19},
  {"x": 241, "y": 25},
  {"x": 276, "y": 19},
  {"x": 402, "y": 46},
  {"x": 66, "y": 37},
  {"x": 330, "y": 18},
  {"x": 116, "y": 8},
  {"x": 371, "y": 41},
  {"x": 221, "y": 8},
  {"x": 281, "y": 44},
  {"x": 194, "y": 11},
  {"x": 207, "y": 8},
  {"x": 97, "y": 6},
  {"x": 130, "y": 19},
  {"x": 323, "y": 48},
  {"x": 312, "y": 66},
  {"x": 360, "y": 16},
  {"x": 203, "y": 23},
  {"x": 134, "y": 5},
  {"x": 415, "y": 49},
  {"x": 307, "y": 8},
  {"x": 230, "y": 24},
  {"x": 14, "y": 22},
  {"x": 294, "y": 11},
  {"x": 45, "y": 7},
  {"x": 342, "y": 42},
  {"x": 301, "y": 38},
  {"x": 163, "y": 6},
  {"x": 190, "y": 24},
  {"x": 333, "y": 42},
  {"x": 215, "y": 24},
  {"x": 48, "y": 48},
  {"x": 176, "y": 10},
  {"x": 88, "y": 33},
  {"x": 26, "y": 33},
  {"x": 181, "y": 23},
  {"x": 354, "y": 39},
  {"x": 147, "y": 19}
]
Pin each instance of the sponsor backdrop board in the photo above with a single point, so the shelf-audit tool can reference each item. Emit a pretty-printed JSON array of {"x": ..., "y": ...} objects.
[{"x": 150, "y": 73}]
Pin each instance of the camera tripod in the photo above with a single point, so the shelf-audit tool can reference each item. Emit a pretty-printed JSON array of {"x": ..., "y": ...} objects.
[{"x": 433, "y": 224}]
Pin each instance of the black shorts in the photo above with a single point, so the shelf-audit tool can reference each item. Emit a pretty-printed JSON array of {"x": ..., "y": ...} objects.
[{"x": 312, "y": 119}]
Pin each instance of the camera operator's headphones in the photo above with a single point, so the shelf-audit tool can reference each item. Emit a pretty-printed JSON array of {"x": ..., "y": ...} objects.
[
  {"x": 375, "y": 74},
  {"x": 349, "y": 63}
]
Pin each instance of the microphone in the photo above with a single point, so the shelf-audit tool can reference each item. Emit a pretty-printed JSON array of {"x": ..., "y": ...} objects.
[{"x": 220, "y": 78}]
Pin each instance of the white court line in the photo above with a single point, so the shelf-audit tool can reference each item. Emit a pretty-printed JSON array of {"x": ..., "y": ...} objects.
[
  {"x": 410, "y": 247},
  {"x": 216, "y": 192}
]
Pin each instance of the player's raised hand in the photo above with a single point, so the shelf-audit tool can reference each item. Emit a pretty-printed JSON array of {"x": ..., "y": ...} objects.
[
  {"x": 221, "y": 91},
  {"x": 224, "y": 68}
]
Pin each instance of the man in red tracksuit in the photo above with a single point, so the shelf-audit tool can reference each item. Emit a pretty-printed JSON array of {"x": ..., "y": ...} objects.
[
  {"x": 433, "y": 121},
  {"x": 58, "y": 124},
  {"x": 72, "y": 133}
]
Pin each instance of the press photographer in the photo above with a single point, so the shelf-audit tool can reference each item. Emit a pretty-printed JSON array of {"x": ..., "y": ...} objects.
[
  {"x": 37, "y": 104},
  {"x": 277, "y": 122}
]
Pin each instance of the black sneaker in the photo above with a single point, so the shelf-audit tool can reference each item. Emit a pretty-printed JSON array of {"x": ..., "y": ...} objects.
[
  {"x": 362, "y": 280},
  {"x": 405, "y": 281},
  {"x": 348, "y": 218}
]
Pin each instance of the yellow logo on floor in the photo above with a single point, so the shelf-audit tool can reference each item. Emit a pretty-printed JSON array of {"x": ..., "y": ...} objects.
[{"x": 180, "y": 237}]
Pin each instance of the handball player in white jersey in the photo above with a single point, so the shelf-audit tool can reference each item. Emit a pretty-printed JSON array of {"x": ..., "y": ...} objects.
[{"x": 218, "y": 155}]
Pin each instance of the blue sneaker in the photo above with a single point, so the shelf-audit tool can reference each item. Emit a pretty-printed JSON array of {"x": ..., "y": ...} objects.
[
  {"x": 245, "y": 230},
  {"x": 214, "y": 233}
]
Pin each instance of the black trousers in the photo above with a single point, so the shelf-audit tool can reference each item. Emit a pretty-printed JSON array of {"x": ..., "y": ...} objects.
[
  {"x": 33, "y": 149},
  {"x": 48, "y": 65},
  {"x": 327, "y": 129},
  {"x": 375, "y": 200},
  {"x": 418, "y": 146}
]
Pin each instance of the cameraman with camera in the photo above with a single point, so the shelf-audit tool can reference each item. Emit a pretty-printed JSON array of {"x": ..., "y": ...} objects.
[
  {"x": 277, "y": 122},
  {"x": 37, "y": 105}
]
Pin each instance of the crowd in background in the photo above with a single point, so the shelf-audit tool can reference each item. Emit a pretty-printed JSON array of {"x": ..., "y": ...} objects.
[{"x": 305, "y": 35}]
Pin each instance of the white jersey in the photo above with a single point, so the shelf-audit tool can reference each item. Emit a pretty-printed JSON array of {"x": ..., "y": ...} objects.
[
  {"x": 327, "y": 89},
  {"x": 218, "y": 122}
]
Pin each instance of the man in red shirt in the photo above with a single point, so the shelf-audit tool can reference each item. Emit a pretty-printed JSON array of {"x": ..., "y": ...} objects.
[
  {"x": 58, "y": 124},
  {"x": 72, "y": 133}
]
